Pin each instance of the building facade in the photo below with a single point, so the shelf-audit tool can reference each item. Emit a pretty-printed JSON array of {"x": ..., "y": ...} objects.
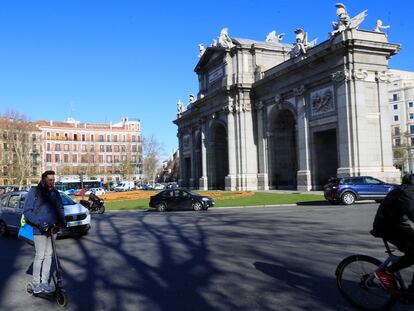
[
  {"x": 401, "y": 100},
  {"x": 270, "y": 115},
  {"x": 95, "y": 150}
]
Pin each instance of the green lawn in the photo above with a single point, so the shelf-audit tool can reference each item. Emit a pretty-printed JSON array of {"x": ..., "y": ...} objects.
[{"x": 259, "y": 198}]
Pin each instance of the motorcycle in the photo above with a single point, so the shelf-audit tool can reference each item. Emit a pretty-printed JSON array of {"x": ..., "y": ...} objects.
[{"x": 97, "y": 206}]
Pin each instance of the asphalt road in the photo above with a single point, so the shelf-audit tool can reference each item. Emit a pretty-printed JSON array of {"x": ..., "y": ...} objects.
[{"x": 272, "y": 258}]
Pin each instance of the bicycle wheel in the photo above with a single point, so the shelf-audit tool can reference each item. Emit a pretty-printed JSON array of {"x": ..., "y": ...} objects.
[{"x": 354, "y": 277}]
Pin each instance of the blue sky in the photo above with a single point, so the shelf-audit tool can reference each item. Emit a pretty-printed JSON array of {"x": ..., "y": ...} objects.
[{"x": 100, "y": 60}]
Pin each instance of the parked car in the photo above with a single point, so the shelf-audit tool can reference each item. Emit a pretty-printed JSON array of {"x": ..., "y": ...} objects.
[
  {"x": 347, "y": 190},
  {"x": 70, "y": 191},
  {"x": 147, "y": 187},
  {"x": 179, "y": 199},
  {"x": 159, "y": 187},
  {"x": 81, "y": 192},
  {"x": 77, "y": 216},
  {"x": 98, "y": 191}
]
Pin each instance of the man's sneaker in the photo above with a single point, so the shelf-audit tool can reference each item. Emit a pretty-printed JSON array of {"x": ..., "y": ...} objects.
[
  {"x": 387, "y": 281},
  {"x": 37, "y": 288},
  {"x": 47, "y": 288}
]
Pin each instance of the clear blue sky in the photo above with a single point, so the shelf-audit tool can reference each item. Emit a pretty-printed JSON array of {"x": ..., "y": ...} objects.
[{"x": 100, "y": 60}]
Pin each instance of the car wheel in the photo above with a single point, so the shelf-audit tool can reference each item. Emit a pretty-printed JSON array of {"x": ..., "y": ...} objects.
[
  {"x": 348, "y": 198},
  {"x": 197, "y": 206},
  {"x": 161, "y": 207},
  {"x": 3, "y": 229}
]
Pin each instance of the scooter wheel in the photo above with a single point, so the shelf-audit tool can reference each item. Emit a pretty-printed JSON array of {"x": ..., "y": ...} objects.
[
  {"x": 61, "y": 299},
  {"x": 29, "y": 289}
]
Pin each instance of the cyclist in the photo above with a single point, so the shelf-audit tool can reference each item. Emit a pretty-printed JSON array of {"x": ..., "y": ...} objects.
[{"x": 392, "y": 222}]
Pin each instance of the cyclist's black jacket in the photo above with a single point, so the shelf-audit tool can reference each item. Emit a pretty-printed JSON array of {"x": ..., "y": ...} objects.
[{"x": 396, "y": 210}]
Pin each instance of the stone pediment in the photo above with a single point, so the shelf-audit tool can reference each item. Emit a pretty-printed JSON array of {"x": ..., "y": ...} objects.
[{"x": 211, "y": 55}]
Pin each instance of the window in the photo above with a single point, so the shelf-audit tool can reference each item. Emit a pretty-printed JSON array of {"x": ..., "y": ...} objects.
[
  {"x": 123, "y": 138},
  {"x": 101, "y": 160},
  {"x": 116, "y": 159},
  {"x": 395, "y": 118},
  {"x": 358, "y": 181},
  {"x": 48, "y": 134},
  {"x": 134, "y": 159},
  {"x": 133, "y": 138},
  {"x": 372, "y": 181},
  {"x": 83, "y": 148},
  {"x": 116, "y": 148},
  {"x": 395, "y": 106},
  {"x": 47, "y": 147},
  {"x": 109, "y": 159},
  {"x": 108, "y": 148},
  {"x": 101, "y": 148},
  {"x": 75, "y": 158},
  {"x": 115, "y": 137},
  {"x": 66, "y": 136},
  {"x": 411, "y": 129},
  {"x": 48, "y": 157},
  {"x": 75, "y": 136},
  {"x": 123, "y": 148},
  {"x": 397, "y": 142},
  {"x": 412, "y": 141},
  {"x": 83, "y": 137},
  {"x": 33, "y": 137},
  {"x": 92, "y": 137},
  {"x": 396, "y": 130},
  {"x": 411, "y": 116},
  {"x": 57, "y": 147},
  {"x": 84, "y": 158},
  {"x": 92, "y": 159},
  {"x": 75, "y": 147},
  {"x": 66, "y": 158},
  {"x": 134, "y": 148},
  {"x": 14, "y": 201},
  {"x": 92, "y": 147},
  {"x": 100, "y": 137},
  {"x": 395, "y": 97},
  {"x": 410, "y": 104},
  {"x": 66, "y": 147},
  {"x": 108, "y": 137},
  {"x": 57, "y": 157}
]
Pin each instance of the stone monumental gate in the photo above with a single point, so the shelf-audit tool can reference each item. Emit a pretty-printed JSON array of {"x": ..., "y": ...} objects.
[{"x": 270, "y": 115}]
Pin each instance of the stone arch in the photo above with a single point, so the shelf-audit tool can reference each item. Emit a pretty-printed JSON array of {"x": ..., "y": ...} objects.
[
  {"x": 282, "y": 147},
  {"x": 218, "y": 164}
]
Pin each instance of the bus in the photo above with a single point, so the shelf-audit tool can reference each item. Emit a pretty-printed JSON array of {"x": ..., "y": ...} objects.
[{"x": 76, "y": 184}]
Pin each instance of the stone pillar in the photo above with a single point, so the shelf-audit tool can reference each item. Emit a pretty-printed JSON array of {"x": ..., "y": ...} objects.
[
  {"x": 262, "y": 177},
  {"x": 203, "y": 182},
  {"x": 181, "y": 158},
  {"x": 304, "y": 182},
  {"x": 193, "y": 160},
  {"x": 230, "y": 179}
]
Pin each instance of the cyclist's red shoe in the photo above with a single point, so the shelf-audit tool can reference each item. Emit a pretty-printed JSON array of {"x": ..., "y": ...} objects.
[{"x": 387, "y": 281}]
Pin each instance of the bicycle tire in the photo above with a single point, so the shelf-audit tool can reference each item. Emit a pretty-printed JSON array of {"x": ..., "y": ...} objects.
[{"x": 372, "y": 291}]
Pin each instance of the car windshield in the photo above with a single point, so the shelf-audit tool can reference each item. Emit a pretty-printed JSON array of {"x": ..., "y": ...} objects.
[{"x": 66, "y": 200}]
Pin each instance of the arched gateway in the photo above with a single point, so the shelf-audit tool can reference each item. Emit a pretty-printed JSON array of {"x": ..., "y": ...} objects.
[{"x": 275, "y": 115}]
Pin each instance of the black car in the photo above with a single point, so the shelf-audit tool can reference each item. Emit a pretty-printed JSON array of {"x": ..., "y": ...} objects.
[
  {"x": 347, "y": 190},
  {"x": 179, "y": 199}
]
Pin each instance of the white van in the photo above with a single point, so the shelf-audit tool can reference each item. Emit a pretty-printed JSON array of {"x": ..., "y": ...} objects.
[{"x": 125, "y": 186}]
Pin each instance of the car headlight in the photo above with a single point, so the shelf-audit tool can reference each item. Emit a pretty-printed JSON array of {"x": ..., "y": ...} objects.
[
  {"x": 205, "y": 199},
  {"x": 87, "y": 212}
]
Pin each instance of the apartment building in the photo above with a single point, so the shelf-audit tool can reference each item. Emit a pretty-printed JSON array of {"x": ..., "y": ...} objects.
[
  {"x": 106, "y": 151},
  {"x": 401, "y": 92}
]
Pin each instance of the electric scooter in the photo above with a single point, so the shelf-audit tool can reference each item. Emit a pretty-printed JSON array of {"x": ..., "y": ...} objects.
[{"x": 59, "y": 294}]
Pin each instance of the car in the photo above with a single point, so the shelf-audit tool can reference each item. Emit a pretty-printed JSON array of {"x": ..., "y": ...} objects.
[
  {"x": 81, "y": 192},
  {"x": 146, "y": 187},
  {"x": 179, "y": 199},
  {"x": 159, "y": 187},
  {"x": 98, "y": 191},
  {"x": 125, "y": 186},
  {"x": 348, "y": 190},
  {"x": 77, "y": 217}
]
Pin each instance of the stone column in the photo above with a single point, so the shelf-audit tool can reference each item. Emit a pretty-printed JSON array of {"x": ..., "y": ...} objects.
[
  {"x": 230, "y": 179},
  {"x": 262, "y": 177},
  {"x": 193, "y": 160},
  {"x": 203, "y": 183},
  {"x": 304, "y": 182},
  {"x": 181, "y": 158}
]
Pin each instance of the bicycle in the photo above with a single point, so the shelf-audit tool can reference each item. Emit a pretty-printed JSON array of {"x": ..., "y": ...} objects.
[{"x": 356, "y": 282}]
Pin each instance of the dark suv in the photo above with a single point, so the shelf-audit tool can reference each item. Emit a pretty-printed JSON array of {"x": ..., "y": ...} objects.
[
  {"x": 180, "y": 199},
  {"x": 347, "y": 190}
]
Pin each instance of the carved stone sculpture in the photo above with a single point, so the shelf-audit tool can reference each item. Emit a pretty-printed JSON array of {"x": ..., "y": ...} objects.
[
  {"x": 379, "y": 26},
  {"x": 224, "y": 40},
  {"x": 179, "y": 107},
  {"x": 301, "y": 44},
  {"x": 344, "y": 21},
  {"x": 201, "y": 50},
  {"x": 273, "y": 37}
]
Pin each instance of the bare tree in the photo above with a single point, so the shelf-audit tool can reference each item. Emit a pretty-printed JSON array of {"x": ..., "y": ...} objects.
[
  {"x": 126, "y": 169},
  {"x": 152, "y": 149},
  {"x": 19, "y": 146}
]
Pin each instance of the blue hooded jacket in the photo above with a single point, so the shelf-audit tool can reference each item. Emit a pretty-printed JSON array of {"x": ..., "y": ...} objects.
[{"x": 43, "y": 206}]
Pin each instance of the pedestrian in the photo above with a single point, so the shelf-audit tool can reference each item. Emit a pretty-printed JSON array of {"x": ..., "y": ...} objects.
[{"x": 43, "y": 209}]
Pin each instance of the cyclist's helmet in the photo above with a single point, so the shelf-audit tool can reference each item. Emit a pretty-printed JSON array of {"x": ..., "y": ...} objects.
[{"x": 408, "y": 179}]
